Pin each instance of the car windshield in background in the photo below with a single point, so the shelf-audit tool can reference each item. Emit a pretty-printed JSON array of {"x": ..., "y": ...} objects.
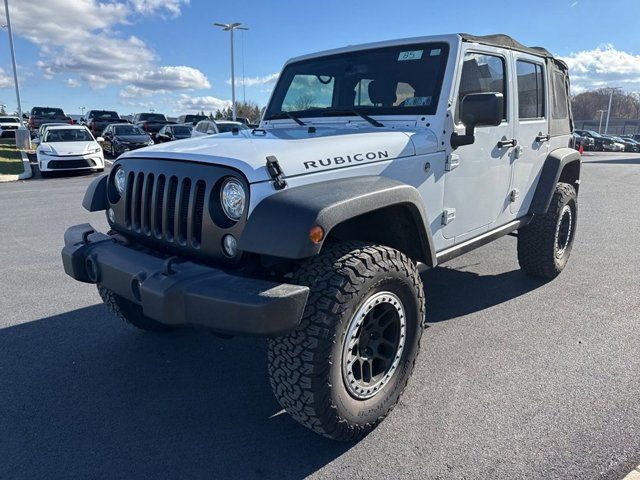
[
  {"x": 128, "y": 130},
  {"x": 153, "y": 117},
  {"x": 228, "y": 127},
  {"x": 105, "y": 115},
  {"x": 181, "y": 130},
  {"x": 47, "y": 112},
  {"x": 383, "y": 81},
  {"x": 8, "y": 120},
  {"x": 67, "y": 135}
]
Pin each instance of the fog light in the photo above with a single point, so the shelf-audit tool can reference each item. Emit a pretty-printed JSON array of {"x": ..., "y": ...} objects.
[
  {"x": 111, "y": 215},
  {"x": 230, "y": 245}
]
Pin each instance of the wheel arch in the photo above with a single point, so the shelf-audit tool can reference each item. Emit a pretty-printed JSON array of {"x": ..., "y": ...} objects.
[
  {"x": 561, "y": 165},
  {"x": 369, "y": 208}
]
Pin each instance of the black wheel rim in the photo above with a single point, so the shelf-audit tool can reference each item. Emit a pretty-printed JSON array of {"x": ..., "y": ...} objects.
[{"x": 373, "y": 345}]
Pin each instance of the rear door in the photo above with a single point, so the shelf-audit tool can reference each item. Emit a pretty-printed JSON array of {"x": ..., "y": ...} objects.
[
  {"x": 477, "y": 185},
  {"x": 531, "y": 129}
]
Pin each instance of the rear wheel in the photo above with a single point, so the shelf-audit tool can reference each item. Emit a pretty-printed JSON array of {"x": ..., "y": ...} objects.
[
  {"x": 544, "y": 246},
  {"x": 344, "y": 368},
  {"x": 129, "y": 312}
]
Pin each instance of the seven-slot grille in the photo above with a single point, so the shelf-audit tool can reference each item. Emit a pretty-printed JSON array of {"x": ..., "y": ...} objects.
[{"x": 165, "y": 207}]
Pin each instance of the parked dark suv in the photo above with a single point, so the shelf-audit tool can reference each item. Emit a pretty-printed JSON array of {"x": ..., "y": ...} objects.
[
  {"x": 600, "y": 143},
  {"x": 40, "y": 115},
  {"x": 191, "y": 119},
  {"x": 150, "y": 122},
  {"x": 97, "y": 120}
]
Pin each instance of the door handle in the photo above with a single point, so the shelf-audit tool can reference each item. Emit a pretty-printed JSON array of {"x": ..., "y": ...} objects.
[
  {"x": 507, "y": 143},
  {"x": 543, "y": 138}
]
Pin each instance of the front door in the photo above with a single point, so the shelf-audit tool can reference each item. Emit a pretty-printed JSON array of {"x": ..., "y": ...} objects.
[
  {"x": 477, "y": 185},
  {"x": 532, "y": 129}
]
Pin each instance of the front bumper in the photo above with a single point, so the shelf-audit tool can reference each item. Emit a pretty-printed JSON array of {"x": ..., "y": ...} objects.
[
  {"x": 179, "y": 293},
  {"x": 89, "y": 161}
]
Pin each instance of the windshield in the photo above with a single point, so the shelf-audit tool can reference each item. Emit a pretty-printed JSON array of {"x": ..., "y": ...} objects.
[
  {"x": 9, "y": 120},
  {"x": 47, "y": 112},
  {"x": 594, "y": 134},
  {"x": 128, "y": 130},
  {"x": 181, "y": 130},
  {"x": 68, "y": 135},
  {"x": 153, "y": 117},
  {"x": 104, "y": 115},
  {"x": 401, "y": 80},
  {"x": 227, "y": 127}
]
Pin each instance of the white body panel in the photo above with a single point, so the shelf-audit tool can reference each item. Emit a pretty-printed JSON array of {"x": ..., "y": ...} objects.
[{"x": 410, "y": 148}]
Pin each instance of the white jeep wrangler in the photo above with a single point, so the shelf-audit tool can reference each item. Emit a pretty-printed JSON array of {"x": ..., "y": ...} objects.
[{"x": 371, "y": 163}]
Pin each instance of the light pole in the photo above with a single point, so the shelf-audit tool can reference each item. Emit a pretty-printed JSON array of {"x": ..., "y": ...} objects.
[
  {"x": 22, "y": 136},
  {"x": 230, "y": 27},
  {"x": 606, "y": 125},
  {"x": 82, "y": 109},
  {"x": 601, "y": 112}
]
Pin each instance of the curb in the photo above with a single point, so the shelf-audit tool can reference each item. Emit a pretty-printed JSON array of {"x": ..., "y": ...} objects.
[
  {"x": 633, "y": 474},
  {"x": 28, "y": 172}
]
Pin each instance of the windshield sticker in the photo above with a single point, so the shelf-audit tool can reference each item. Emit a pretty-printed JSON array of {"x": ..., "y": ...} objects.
[
  {"x": 435, "y": 52},
  {"x": 417, "y": 102},
  {"x": 410, "y": 55}
]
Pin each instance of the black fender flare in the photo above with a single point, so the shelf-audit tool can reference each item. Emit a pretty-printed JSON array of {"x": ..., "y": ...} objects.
[
  {"x": 552, "y": 170},
  {"x": 279, "y": 225},
  {"x": 95, "y": 198}
]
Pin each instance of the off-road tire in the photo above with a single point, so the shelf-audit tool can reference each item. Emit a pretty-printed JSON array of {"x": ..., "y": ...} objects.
[
  {"x": 305, "y": 366},
  {"x": 537, "y": 243},
  {"x": 129, "y": 312}
]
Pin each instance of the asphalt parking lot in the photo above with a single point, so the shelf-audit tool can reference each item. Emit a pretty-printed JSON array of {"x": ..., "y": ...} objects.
[{"x": 517, "y": 378}]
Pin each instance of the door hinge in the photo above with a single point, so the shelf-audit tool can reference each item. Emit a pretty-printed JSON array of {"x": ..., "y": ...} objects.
[
  {"x": 453, "y": 162},
  {"x": 513, "y": 196},
  {"x": 448, "y": 216},
  {"x": 518, "y": 151}
]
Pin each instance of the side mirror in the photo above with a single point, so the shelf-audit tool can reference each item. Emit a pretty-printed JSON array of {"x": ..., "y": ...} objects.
[
  {"x": 477, "y": 110},
  {"x": 100, "y": 139}
]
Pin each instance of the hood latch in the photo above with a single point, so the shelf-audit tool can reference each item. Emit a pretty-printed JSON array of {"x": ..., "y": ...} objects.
[{"x": 275, "y": 171}]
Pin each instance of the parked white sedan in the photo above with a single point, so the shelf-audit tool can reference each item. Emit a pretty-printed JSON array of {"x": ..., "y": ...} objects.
[
  {"x": 69, "y": 147},
  {"x": 211, "y": 127}
]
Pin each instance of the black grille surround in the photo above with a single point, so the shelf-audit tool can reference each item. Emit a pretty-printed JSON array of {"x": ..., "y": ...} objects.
[{"x": 173, "y": 206}]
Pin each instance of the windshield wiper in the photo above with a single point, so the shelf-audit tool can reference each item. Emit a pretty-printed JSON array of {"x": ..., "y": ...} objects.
[
  {"x": 279, "y": 115},
  {"x": 353, "y": 111}
]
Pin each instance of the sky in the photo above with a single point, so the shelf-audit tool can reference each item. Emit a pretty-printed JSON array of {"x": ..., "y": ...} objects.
[{"x": 166, "y": 55}]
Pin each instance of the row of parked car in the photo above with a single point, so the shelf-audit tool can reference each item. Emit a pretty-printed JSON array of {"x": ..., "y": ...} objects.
[
  {"x": 63, "y": 145},
  {"x": 594, "y": 141}
]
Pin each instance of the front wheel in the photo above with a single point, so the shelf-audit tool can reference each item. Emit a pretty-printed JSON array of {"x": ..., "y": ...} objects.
[
  {"x": 544, "y": 246},
  {"x": 343, "y": 369}
]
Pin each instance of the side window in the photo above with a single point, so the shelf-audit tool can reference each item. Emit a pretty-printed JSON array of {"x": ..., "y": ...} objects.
[
  {"x": 307, "y": 92},
  {"x": 560, "y": 105},
  {"x": 483, "y": 73},
  {"x": 530, "y": 90}
]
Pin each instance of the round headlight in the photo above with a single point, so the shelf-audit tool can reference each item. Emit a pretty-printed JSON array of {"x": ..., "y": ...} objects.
[
  {"x": 233, "y": 197},
  {"x": 120, "y": 180}
]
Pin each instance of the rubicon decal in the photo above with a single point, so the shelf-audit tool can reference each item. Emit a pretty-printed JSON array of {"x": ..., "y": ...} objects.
[{"x": 347, "y": 159}]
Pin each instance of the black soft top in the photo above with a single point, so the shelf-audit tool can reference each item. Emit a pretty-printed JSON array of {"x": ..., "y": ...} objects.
[{"x": 505, "y": 41}]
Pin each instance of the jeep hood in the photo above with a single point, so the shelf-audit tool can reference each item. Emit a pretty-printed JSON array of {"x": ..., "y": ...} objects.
[{"x": 298, "y": 151}]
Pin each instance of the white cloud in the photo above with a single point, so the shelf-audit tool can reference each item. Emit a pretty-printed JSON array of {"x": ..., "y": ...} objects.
[
  {"x": 80, "y": 37},
  {"x": 5, "y": 80},
  {"x": 604, "y": 66},
  {"x": 73, "y": 83},
  {"x": 207, "y": 103},
  {"x": 150, "y": 7},
  {"x": 252, "y": 81}
]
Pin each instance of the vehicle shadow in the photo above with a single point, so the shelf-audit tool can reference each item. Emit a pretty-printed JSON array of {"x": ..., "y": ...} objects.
[
  {"x": 86, "y": 397},
  {"x": 452, "y": 293}
]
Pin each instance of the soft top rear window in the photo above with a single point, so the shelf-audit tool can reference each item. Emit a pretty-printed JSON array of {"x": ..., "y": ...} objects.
[{"x": 398, "y": 80}]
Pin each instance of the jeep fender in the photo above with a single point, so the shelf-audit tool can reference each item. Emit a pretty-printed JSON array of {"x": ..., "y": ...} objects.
[
  {"x": 95, "y": 198},
  {"x": 279, "y": 225},
  {"x": 561, "y": 165}
]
